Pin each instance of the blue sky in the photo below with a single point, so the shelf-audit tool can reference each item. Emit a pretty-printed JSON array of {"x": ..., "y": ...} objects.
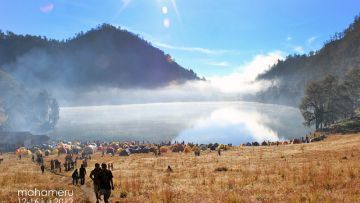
[{"x": 215, "y": 38}]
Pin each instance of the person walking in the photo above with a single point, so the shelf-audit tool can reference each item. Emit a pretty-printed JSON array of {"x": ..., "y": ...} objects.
[
  {"x": 106, "y": 182},
  {"x": 82, "y": 174},
  {"x": 52, "y": 165},
  {"x": 75, "y": 177},
  {"x": 42, "y": 168},
  {"x": 94, "y": 175}
]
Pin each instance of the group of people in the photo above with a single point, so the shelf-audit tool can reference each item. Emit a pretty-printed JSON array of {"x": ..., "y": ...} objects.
[
  {"x": 39, "y": 158},
  {"x": 79, "y": 175},
  {"x": 102, "y": 180},
  {"x": 55, "y": 164},
  {"x": 70, "y": 162}
]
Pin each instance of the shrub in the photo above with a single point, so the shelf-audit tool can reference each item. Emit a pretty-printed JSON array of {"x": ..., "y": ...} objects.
[{"x": 219, "y": 169}]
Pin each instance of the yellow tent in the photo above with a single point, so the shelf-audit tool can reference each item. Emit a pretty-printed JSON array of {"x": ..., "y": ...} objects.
[
  {"x": 187, "y": 149},
  {"x": 23, "y": 151},
  {"x": 55, "y": 151},
  {"x": 195, "y": 148},
  {"x": 38, "y": 151}
]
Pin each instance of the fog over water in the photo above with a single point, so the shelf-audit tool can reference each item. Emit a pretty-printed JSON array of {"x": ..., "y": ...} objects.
[
  {"x": 198, "y": 111},
  {"x": 200, "y": 122}
]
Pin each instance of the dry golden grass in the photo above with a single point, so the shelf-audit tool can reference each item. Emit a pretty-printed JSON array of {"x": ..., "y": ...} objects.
[
  {"x": 24, "y": 174},
  {"x": 327, "y": 171}
]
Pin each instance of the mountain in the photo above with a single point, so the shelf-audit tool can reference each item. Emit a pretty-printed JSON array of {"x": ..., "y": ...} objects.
[
  {"x": 102, "y": 57},
  {"x": 289, "y": 77}
]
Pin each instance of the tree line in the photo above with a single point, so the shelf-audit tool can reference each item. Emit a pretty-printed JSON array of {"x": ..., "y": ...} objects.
[
  {"x": 103, "y": 57},
  {"x": 331, "y": 99},
  {"x": 339, "y": 55}
]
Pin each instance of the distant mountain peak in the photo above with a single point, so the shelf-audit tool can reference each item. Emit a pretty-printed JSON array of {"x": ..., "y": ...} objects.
[{"x": 105, "y": 56}]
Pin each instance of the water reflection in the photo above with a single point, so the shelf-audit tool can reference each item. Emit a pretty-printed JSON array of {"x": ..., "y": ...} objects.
[
  {"x": 200, "y": 122},
  {"x": 229, "y": 125}
]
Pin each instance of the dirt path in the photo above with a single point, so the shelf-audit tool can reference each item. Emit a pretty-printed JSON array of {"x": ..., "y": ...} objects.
[{"x": 88, "y": 192}]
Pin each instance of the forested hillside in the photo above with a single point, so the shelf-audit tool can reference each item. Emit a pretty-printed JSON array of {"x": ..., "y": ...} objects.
[
  {"x": 102, "y": 57},
  {"x": 337, "y": 57}
]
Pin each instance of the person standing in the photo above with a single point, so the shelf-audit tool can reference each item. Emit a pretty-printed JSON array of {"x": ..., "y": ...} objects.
[
  {"x": 42, "y": 168},
  {"x": 75, "y": 177},
  {"x": 94, "y": 175},
  {"x": 51, "y": 165},
  {"x": 82, "y": 174},
  {"x": 106, "y": 182}
]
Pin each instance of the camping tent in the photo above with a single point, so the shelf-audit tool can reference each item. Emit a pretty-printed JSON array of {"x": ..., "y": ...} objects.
[
  {"x": 124, "y": 152},
  {"x": 144, "y": 150},
  {"x": 187, "y": 149},
  {"x": 110, "y": 150},
  {"x": 37, "y": 151},
  {"x": 62, "y": 150},
  {"x": 90, "y": 149},
  {"x": 23, "y": 151},
  {"x": 47, "y": 152}
]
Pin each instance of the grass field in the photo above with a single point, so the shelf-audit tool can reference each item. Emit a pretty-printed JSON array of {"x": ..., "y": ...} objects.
[{"x": 326, "y": 171}]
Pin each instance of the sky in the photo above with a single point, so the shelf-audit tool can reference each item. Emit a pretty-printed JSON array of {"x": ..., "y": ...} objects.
[{"x": 223, "y": 40}]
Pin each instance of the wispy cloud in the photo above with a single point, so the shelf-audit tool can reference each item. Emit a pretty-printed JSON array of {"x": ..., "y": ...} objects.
[
  {"x": 311, "y": 39},
  {"x": 299, "y": 49},
  {"x": 219, "y": 64},
  {"x": 288, "y": 38},
  {"x": 155, "y": 42},
  {"x": 243, "y": 80},
  {"x": 193, "y": 49},
  {"x": 47, "y": 8}
]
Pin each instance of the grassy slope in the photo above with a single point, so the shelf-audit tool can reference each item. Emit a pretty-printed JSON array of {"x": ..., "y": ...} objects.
[
  {"x": 24, "y": 174},
  {"x": 327, "y": 171}
]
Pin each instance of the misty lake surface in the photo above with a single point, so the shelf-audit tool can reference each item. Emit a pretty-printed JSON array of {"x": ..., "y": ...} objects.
[{"x": 198, "y": 122}]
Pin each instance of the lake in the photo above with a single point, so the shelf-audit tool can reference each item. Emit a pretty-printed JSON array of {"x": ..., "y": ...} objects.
[{"x": 199, "y": 122}]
